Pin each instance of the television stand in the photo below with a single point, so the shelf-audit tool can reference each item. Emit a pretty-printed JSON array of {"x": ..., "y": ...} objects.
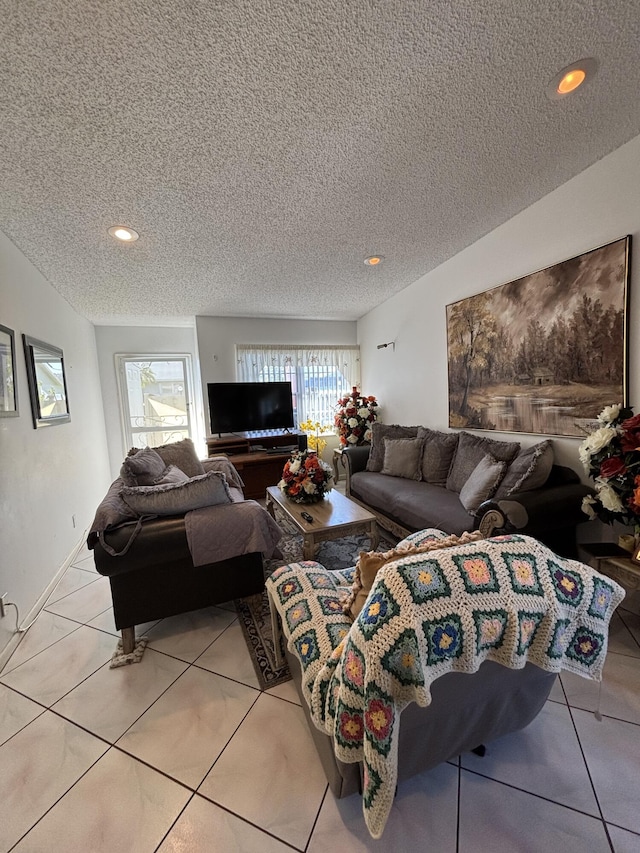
[{"x": 258, "y": 468}]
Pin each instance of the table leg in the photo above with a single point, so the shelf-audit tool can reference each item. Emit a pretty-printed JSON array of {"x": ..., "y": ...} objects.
[
  {"x": 309, "y": 547},
  {"x": 268, "y": 505},
  {"x": 374, "y": 535}
]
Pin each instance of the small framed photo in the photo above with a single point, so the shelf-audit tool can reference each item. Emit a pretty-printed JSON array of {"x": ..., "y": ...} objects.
[
  {"x": 8, "y": 390},
  {"x": 47, "y": 383}
]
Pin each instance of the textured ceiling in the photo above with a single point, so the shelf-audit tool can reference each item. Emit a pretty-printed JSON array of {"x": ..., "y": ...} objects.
[{"x": 264, "y": 148}]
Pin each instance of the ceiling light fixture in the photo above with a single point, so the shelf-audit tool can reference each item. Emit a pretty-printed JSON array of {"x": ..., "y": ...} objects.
[
  {"x": 122, "y": 233},
  {"x": 374, "y": 260},
  {"x": 570, "y": 78}
]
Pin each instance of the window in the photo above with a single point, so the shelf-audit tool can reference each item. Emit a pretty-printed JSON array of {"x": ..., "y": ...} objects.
[
  {"x": 155, "y": 398},
  {"x": 319, "y": 375}
]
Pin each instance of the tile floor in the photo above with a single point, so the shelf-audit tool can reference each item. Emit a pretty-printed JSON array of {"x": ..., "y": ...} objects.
[{"x": 183, "y": 752}]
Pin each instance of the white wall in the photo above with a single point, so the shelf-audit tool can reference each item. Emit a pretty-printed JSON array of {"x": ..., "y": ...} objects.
[
  {"x": 141, "y": 340},
  {"x": 50, "y": 474},
  {"x": 596, "y": 207}
]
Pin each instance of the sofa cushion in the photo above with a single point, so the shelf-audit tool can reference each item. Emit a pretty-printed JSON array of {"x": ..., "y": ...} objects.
[
  {"x": 402, "y": 458},
  {"x": 437, "y": 455},
  {"x": 183, "y": 455},
  {"x": 529, "y": 470},
  {"x": 176, "y": 499},
  {"x": 142, "y": 467},
  {"x": 378, "y": 434},
  {"x": 171, "y": 475},
  {"x": 413, "y": 504},
  {"x": 483, "y": 482},
  {"x": 470, "y": 450}
]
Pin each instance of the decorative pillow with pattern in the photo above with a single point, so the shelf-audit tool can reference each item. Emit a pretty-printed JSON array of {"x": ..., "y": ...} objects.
[
  {"x": 378, "y": 434},
  {"x": 470, "y": 450},
  {"x": 142, "y": 467}
]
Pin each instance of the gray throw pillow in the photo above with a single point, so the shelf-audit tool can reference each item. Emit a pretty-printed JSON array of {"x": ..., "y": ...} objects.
[
  {"x": 171, "y": 475},
  {"x": 402, "y": 458},
  {"x": 183, "y": 455},
  {"x": 176, "y": 499},
  {"x": 529, "y": 470},
  {"x": 483, "y": 482},
  {"x": 470, "y": 450},
  {"x": 437, "y": 455},
  {"x": 378, "y": 434},
  {"x": 142, "y": 468}
]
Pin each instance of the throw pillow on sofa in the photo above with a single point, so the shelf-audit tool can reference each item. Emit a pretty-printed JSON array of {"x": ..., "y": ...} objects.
[
  {"x": 529, "y": 470},
  {"x": 183, "y": 455},
  {"x": 437, "y": 455},
  {"x": 378, "y": 434},
  {"x": 483, "y": 482},
  {"x": 177, "y": 498},
  {"x": 171, "y": 475},
  {"x": 402, "y": 458},
  {"x": 470, "y": 450},
  {"x": 142, "y": 467}
]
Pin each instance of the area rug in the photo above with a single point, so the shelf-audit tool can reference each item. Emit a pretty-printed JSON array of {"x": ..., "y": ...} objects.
[{"x": 255, "y": 618}]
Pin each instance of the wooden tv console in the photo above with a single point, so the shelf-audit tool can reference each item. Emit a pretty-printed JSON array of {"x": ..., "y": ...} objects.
[{"x": 258, "y": 468}]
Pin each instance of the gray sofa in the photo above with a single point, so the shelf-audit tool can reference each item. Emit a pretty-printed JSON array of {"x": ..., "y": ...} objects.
[{"x": 529, "y": 493}]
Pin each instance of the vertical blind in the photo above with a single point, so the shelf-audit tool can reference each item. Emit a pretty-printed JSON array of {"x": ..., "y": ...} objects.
[{"x": 319, "y": 375}]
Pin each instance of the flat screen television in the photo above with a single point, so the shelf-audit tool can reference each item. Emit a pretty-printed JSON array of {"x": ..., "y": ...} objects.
[{"x": 250, "y": 406}]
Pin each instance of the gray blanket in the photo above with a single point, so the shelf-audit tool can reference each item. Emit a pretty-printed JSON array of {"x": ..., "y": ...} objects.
[{"x": 217, "y": 533}]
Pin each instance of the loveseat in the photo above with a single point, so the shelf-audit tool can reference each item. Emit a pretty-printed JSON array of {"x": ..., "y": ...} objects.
[
  {"x": 174, "y": 534},
  {"x": 413, "y": 478}
]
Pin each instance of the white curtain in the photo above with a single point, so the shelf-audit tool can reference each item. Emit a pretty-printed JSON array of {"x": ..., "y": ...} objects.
[{"x": 319, "y": 375}]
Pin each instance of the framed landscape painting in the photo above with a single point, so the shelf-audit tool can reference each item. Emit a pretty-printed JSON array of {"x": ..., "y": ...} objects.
[{"x": 544, "y": 353}]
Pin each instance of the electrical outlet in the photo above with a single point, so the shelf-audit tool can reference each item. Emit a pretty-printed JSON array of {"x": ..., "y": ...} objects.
[{"x": 2, "y": 601}]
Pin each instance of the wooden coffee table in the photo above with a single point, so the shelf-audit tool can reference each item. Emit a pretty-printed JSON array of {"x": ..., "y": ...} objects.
[{"x": 333, "y": 517}]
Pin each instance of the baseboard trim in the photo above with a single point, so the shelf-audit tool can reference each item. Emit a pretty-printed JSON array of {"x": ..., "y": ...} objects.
[{"x": 38, "y": 607}]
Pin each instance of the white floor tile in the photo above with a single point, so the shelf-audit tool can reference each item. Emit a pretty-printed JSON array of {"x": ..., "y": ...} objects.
[
  {"x": 228, "y": 655},
  {"x": 557, "y": 693},
  {"x": 45, "y": 631},
  {"x": 205, "y": 827},
  {"x": 287, "y": 691},
  {"x": 187, "y": 635},
  {"x": 84, "y": 604},
  {"x": 423, "y": 817},
  {"x": 72, "y": 580},
  {"x": 270, "y": 773},
  {"x": 621, "y": 638},
  {"x": 632, "y": 623},
  {"x": 620, "y": 689},
  {"x": 84, "y": 560},
  {"x": 47, "y": 676},
  {"x": 612, "y": 751},
  {"x": 495, "y": 818},
  {"x": 130, "y": 689},
  {"x": 184, "y": 732},
  {"x": 16, "y": 711},
  {"x": 544, "y": 759},
  {"x": 623, "y": 841},
  {"x": 119, "y": 805},
  {"x": 39, "y": 764}
]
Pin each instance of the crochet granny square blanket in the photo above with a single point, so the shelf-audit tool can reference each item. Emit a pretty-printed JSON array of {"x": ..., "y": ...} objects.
[{"x": 507, "y": 599}]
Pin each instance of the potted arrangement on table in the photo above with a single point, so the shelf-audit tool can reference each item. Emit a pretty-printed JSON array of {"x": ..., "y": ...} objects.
[
  {"x": 354, "y": 416},
  {"x": 305, "y": 478},
  {"x": 611, "y": 455}
]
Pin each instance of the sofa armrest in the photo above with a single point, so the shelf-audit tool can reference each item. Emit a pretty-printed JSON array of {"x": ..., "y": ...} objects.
[
  {"x": 539, "y": 510},
  {"x": 356, "y": 460}
]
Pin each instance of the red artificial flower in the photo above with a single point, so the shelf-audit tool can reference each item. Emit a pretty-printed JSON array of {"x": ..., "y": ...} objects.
[{"x": 612, "y": 467}]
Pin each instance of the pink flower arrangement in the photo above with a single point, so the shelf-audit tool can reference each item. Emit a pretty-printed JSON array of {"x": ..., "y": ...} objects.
[{"x": 354, "y": 416}]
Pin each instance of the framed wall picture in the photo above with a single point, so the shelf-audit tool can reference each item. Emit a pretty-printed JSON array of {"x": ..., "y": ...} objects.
[
  {"x": 8, "y": 390},
  {"x": 47, "y": 383},
  {"x": 544, "y": 353}
]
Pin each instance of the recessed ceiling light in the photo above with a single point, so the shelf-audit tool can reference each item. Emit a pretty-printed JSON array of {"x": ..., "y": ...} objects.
[
  {"x": 374, "y": 260},
  {"x": 121, "y": 232},
  {"x": 570, "y": 78}
]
